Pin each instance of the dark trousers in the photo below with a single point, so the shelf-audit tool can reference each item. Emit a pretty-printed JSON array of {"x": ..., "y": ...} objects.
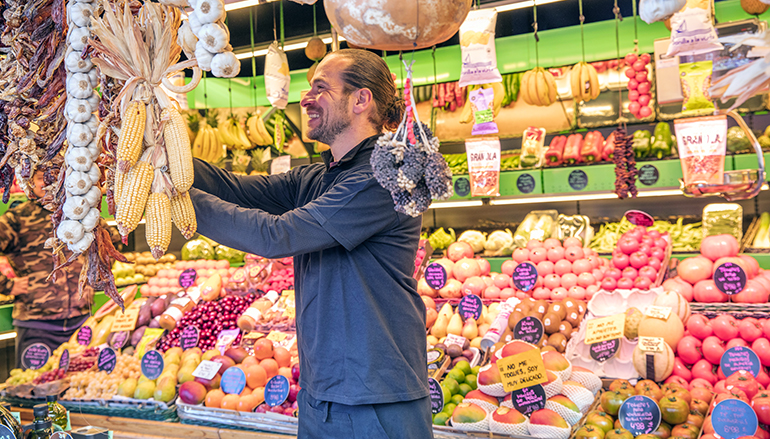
[
  {"x": 330, "y": 420},
  {"x": 28, "y": 336}
]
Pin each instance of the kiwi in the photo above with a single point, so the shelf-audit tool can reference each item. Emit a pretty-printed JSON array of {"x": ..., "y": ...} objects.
[
  {"x": 551, "y": 323},
  {"x": 523, "y": 308},
  {"x": 548, "y": 348},
  {"x": 559, "y": 309},
  {"x": 559, "y": 341},
  {"x": 569, "y": 303},
  {"x": 514, "y": 318},
  {"x": 574, "y": 318},
  {"x": 536, "y": 315},
  {"x": 543, "y": 342},
  {"x": 565, "y": 328},
  {"x": 581, "y": 306},
  {"x": 541, "y": 306},
  {"x": 507, "y": 335}
]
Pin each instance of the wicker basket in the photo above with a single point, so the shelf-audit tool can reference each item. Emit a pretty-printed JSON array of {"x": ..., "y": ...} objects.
[
  {"x": 737, "y": 310},
  {"x": 124, "y": 408},
  {"x": 266, "y": 422},
  {"x": 25, "y": 403}
]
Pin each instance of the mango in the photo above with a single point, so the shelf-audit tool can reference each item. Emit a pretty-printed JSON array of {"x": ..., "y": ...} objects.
[{"x": 468, "y": 413}]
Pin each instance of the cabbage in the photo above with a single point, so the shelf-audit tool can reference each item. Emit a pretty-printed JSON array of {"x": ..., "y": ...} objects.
[
  {"x": 229, "y": 254},
  {"x": 499, "y": 243},
  {"x": 440, "y": 239},
  {"x": 197, "y": 249},
  {"x": 475, "y": 238}
]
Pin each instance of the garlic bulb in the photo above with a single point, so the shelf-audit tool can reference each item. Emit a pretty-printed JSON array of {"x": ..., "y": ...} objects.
[
  {"x": 93, "y": 196},
  {"x": 75, "y": 207},
  {"x": 79, "y": 159},
  {"x": 79, "y": 86},
  {"x": 225, "y": 65},
  {"x": 78, "y": 38},
  {"x": 93, "y": 123},
  {"x": 177, "y": 3},
  {"x": 82, "y": 245},
  {"x": 77, "y": 183},
  {"x": 91, "y": 219},
  {"x": 210, "y": 11},
  {"x": 93, "y": 76},
  {"x": 94, "y": 101},
  {"x": 186, "y": 38},
  {"x": 76, "y": 64},
  {"x": 213, "y": 36},
  {"x": 94, "y": 149},
  {"x": 80, "y": 14},
  {"x": 70, "y": 231},
  {"x": 78, "y": 110},
  {"x": 203, "y": 56},
  {"x": 94, "y": 174},
  {"x": 79, "y": 134},
  {"x": 195, "y": 23}
]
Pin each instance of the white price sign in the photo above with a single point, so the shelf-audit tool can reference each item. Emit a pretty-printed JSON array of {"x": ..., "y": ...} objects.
[
  {"x": 280, "y": 165},
  {"x": 207, "y": 370}
]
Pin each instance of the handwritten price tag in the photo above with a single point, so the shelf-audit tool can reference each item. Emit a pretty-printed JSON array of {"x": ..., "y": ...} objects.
[
  {"x": 639, "y": 415},
  {"x": 529, "y": 399},
  {"x": 730, "y": 278},
  {"x": 436, "y": 276},
  {"x": 455, "y": 339},
  {"x": 739, "y": 358},
  {"x": 658, "y": 312},
  {"x": 125, "y": 321},
  {"x": 470, "y": 307},
  {"x": 651, "y": 344},
  {"x": 522, "y": 370},
  {"x": 207, "y": 369},
  {"x": 605, "y": 328},
  {"x": 436, "y": 396},
  {"x": 733, "y": 418}
]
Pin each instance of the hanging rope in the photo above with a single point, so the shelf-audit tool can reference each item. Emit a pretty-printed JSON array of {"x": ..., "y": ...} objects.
[
  {"x": 537, "y": 37},
  {"x": 280, "y": 3},
  {"x": 636, "y": 30},
  {"x": 582, "y": 35},
  {"x": 401, "y": 58},
  {"x": 618, "y": 19},
  {"x": 205, "y": 92},
  {"x": 253, "y": 58},
  {"x": 434, "y": 89},
  {"x": 315, "y": 25},
  {"x": 275, "y": 25}
]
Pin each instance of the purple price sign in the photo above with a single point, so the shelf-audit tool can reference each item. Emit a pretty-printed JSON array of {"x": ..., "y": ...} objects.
[
  {"x": 529, "y": 329},
  {"x": 119, "y": 340},
  {"x": 525, "y": 276},
  {"x": 470, "y": 307},
  {"x": 187, "y": 278},
  {"x": 639, "y": 218},
  {"x": 604, "y": 350},
  {"x": 730, "y": 278},
  {"x": 639, "y": 415},
  {"x": 64, "y": 361},
  {"x": 152, "y": 364},
  {"x": 84, "y": 336},
  {"x": 189, "y": 338},
  {"x": 436, "y": 396},
  {"x": 35, "y": 356},
  {"x": 107, "y": 360},
  {"x": 436, "y": 276},
  {"x": 276, "y": 390},
  {"x": 739, "y": 358},
  {"x": 529, "y": 399}
]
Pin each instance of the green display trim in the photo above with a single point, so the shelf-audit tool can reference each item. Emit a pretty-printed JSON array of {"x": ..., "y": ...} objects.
[{"x": 514, "y": 54}]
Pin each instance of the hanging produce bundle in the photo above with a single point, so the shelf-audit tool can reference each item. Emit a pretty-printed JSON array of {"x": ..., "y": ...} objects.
[
  {"x": 538, "y": 87},
  {"x": 407, "y": 162},
  {"x": 467, "y": 115},
  {"x": 205, "y": 37},
  {"x": 625, "y": 164},
  {"x": 639, "y": 85},
  {"x": 747, "y": 80},
  {"x": 584, "y": 82},
  {"x": 277, "y": 77}
]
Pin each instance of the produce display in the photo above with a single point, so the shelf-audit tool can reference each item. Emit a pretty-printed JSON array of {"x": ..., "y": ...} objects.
[{"x": 684, "y": 237}]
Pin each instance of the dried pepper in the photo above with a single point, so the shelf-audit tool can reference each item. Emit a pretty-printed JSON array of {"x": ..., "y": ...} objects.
[{"x": 625, "y": 164}]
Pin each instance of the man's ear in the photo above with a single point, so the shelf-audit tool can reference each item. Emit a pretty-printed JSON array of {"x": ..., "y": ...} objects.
[{"x": 363, "y": 100}]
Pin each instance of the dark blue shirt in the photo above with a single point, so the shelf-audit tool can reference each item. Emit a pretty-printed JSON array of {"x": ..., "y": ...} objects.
[{"x": 360, "y": 321}]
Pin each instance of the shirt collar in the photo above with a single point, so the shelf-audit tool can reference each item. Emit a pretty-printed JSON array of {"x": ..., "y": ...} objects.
[{"x": 365, "y": 144}]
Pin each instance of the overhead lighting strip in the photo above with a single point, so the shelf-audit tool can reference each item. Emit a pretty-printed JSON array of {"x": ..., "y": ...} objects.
[{"x": 7, "y": 336}]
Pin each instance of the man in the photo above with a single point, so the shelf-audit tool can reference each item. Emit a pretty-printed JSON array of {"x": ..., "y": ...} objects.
[
  {"x": 360, "y": 321},
  {"x": 45, "y": 312}
]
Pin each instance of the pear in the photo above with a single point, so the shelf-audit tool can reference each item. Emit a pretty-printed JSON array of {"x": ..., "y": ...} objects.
[
  {"x": 144, "y": 390},
  {"x": 470, "y": 330},
  {"x": 446, "y": 311},
  {"x": 483, "y": 317},
  {"x": 127, "y": 388},
  {"x": 439, "y": 328},
  {"x": 483, "y": 328},
  {"x": 455, "y": 325}
]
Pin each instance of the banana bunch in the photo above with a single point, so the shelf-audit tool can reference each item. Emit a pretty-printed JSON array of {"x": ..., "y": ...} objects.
[
  {"x": 256, "y": 130},
  {"x": 233, "y": 135},
  {"x": 584, "y": 82},
  {"x": 467, "y": 114},
  {"x": 207, "y": 145},
  {"x": 538, "y": 87}
]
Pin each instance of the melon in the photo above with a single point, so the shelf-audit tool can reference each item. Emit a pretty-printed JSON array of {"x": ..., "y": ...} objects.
[
  {"x": 311, "y": 72},
  {"x": 633, "y": 318},
  {"x": 676, "y": 302},
  {"x": 315, "y": 49},
  {"x": 671, "y": 330},
  {"x": 397, "y": 24},
  {"x": 663, "y": 363},
  {"x": 754, "y": 7}
]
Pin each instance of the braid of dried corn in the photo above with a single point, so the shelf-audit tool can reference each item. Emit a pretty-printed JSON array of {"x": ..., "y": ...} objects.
[
  {"x": 158, "y": 226},
  {"x": 133, "y": 199},
  {"x": 180, "y": 163},
  {"x": 183, "y": 215},
  {"x": 131, "y": 134}
]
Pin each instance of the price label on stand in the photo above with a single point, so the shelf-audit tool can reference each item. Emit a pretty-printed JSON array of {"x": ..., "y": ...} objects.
[
  {"x": 524, "y": 276},
  {"x": 234, "y": 381},
  {"x": 522, "y": 370},
  {"x": 578, "y": 180},
  {"x": 189, "y": 338},
  {"x": 6, "y": 433},
  {"x": 455, "y": 339},
  {"x": 639, "y": 415},
  {"x": 733, "y": 418},
  {"x": 107, "y": 360},
  {"x": 605, "y": 328},
  {"x": 740, "y": 358},
  {"x": 35, "y": 356},
  {"x": 276, "y": 390},
  {"x": 529, "y": 329},
  {"x": 125, "y": 321},
  {"x": 730, "y": 278},
  {"x": 436, "y": 396},
  {"x": 529, "y": 399},
  {"x": 187, "y": 278},
  {"x": 207, "y": 369},
  {"x": 152, "y": 364},
  {"x": 639, "y": 218},
  {"x": 525, "y": 183},
  {"x": 119, "y": 339},
  {"x": 64, "y": 360},
  {"x": 604, "y": 350},
  {"x": 651, "y": 344},
  {"x": 84, "y": 336},
  {"x": 435, "y": 276},
  {"x": 658, "y": 312},
  {"x": 648, "y": 175},
  {"x": 470, "y": 307}
]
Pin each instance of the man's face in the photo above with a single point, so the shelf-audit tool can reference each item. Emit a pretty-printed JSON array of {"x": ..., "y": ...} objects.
[
  {"x": 327, "y": 103},
  {"x": 37, "y": 183}
]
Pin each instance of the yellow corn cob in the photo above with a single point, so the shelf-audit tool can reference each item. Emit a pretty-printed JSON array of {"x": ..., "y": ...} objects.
[
  {"x": 180, "y": 161},
  {"x": 136, "y": 189},
  {"x": 131, "y": 133},
  {"x": 158, "y": 227},
  {"x": 183, "y": 215},
  {"x": 117, "y": 188}
]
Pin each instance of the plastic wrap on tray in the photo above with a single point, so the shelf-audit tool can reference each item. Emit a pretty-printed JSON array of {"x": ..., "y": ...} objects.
[
  {"x": 279, "y": 316},
  {"x": 538, "y": 224},
  {"x": 249, "y": 278},
  {"x": 723, "y": 218},
  {"x": 575, "y": 226}
]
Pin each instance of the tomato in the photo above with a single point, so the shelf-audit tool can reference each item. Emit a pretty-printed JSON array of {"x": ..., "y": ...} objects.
[
  {"x": 609, "y": 284},
  {"x": 618, "y": 384},
  {"x": 642, "y": 283},
  {"x": 658, "y": 253},
  {"x": 689, "y": 349},
  {"x": 630, "y": 273},
  {"x": 706, "y": 291},
  {"x": 600, "y": 420},
  {"x": 620, "y": 261},
  {"x": 611, "y": 402},
  {"x": 613, "y": 273},
  {"x": 625, "y": 283},
  {"x": 699, "y": 326},
  {"x": 645, "y": 385},
  {"x": 685, "y": 430},
  {"x": 628, "y": 245},
  {"x": 743, "y": 380},
  {"x": 700, "y": 406},
  {"x": 750, "y": 329},
  {"x": 655, "y": 263},
  {"x": 694, "y": 270},
  {"x": 719, "y": 246},
  {"x": 663, "y": 431},
  {"x": 619, "y": 433},
  {"x": 651, "y": 393},
  {"x": 680, "y": 393},
  {"x": 725, "y": 327},
  {"x": 695, "y": 418},
  {"x": 674, "y": 410},
  {"x": 753, "y": 292},
  {"x": 649, "y": 272},
  {"x": 589, "y": 432},
  {"x": 761, "y": 406},
  {"x": 638, "y": 259},
  {"x": 751, "y": 264}
]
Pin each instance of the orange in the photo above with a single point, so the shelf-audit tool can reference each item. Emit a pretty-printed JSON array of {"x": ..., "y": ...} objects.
[
  {"x": 285, "y": 371},
  {"x": 256, "y": 376},
  {"x": 259, "y": 392},
  {"x": 270, "y": 366},
  {"x": 249, "y": 361},
  {"x": 263, "y": 348},
  {"x": 247, "y": 403},
  {"x": 282, "y": 356},
  {"x": 230, "y": 402},
  {"x": 214, "y": 398},
  {"x": 246, "y": 391}
]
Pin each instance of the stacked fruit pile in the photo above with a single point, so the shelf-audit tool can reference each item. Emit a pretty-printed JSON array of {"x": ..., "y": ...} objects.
[
  {"x": 102, "y": 385},
  {"x": 166, "y": 281},
  {"x": 639, "y": 85},
  {"x": 637, "y": 260},
  {"x": 448, "y": 321},
  {"x": 458, "y": 384}
]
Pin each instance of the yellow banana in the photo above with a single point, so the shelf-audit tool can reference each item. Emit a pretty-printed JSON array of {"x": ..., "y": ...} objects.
[
  {"x": 499, "y": 90},
  {"x": 542, "y": 87},
  {"x": 574, "y": 80},
  {"x": 252, "y": 132},
  {"x": 524, "y": 88},
  {"x": 585, "y": 83},
  {"x": 595, "y": 87},
  {"x": 466, "y": 116},
  {"x": 197, "y": 149},
  {"x": 552, "y": 89},
  {"x": 532, "y": 88},
  {"x": 257, "y": 131}
]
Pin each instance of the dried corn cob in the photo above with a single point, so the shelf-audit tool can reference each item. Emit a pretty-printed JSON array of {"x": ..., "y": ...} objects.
[
  {"x": 180, "y": 163},
  {"x": 131, "y": 133},
  {"x": 136, "y": 189},
  {"x": 158, "y": 227},
  {"x": 183, "y": 215}
]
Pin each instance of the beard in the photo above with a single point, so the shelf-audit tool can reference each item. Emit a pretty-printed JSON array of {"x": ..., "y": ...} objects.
[{"x": 332, "y": 123}]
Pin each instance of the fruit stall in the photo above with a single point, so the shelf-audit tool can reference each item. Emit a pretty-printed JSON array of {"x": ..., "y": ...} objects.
[{"x": 594, "y": 258}]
